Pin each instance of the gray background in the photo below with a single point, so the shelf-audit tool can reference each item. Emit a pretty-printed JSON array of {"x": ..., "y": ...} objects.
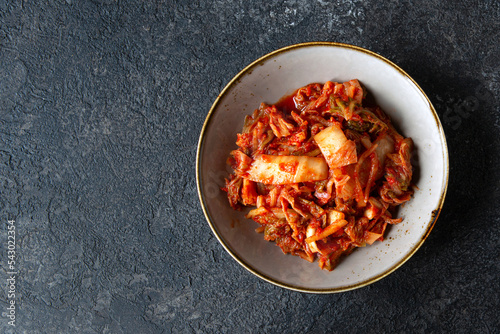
[{"x": 101, "y": 105}]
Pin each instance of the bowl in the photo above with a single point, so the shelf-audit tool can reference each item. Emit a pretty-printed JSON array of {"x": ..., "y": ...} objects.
[{"x": 280, "y": 73}]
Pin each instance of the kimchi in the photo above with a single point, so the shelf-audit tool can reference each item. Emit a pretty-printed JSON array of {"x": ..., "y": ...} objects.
[{"x": 321, "y": 172}]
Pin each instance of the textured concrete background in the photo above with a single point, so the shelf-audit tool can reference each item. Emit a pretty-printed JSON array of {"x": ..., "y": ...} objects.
[{"x": 101, "y": 105}]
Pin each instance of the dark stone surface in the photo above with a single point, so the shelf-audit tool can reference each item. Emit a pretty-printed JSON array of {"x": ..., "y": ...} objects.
[{"x": 101, "y": 105}]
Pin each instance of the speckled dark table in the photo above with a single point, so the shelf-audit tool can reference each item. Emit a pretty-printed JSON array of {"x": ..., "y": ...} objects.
[{"x": 101, "y": 105}]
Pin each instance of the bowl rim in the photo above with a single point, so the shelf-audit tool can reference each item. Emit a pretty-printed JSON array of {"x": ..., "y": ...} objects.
[{"x": 395, "y": 266}]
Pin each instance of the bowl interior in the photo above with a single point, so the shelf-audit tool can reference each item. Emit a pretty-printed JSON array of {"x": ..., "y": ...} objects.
[{"x": 281, "y": 73}]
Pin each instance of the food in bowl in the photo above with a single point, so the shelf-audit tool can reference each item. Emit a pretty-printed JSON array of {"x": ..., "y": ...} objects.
[{"x": 323, "y": 171}]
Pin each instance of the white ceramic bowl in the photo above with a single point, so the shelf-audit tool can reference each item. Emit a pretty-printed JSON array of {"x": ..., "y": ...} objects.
[{"x": 280, "y": 73}]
